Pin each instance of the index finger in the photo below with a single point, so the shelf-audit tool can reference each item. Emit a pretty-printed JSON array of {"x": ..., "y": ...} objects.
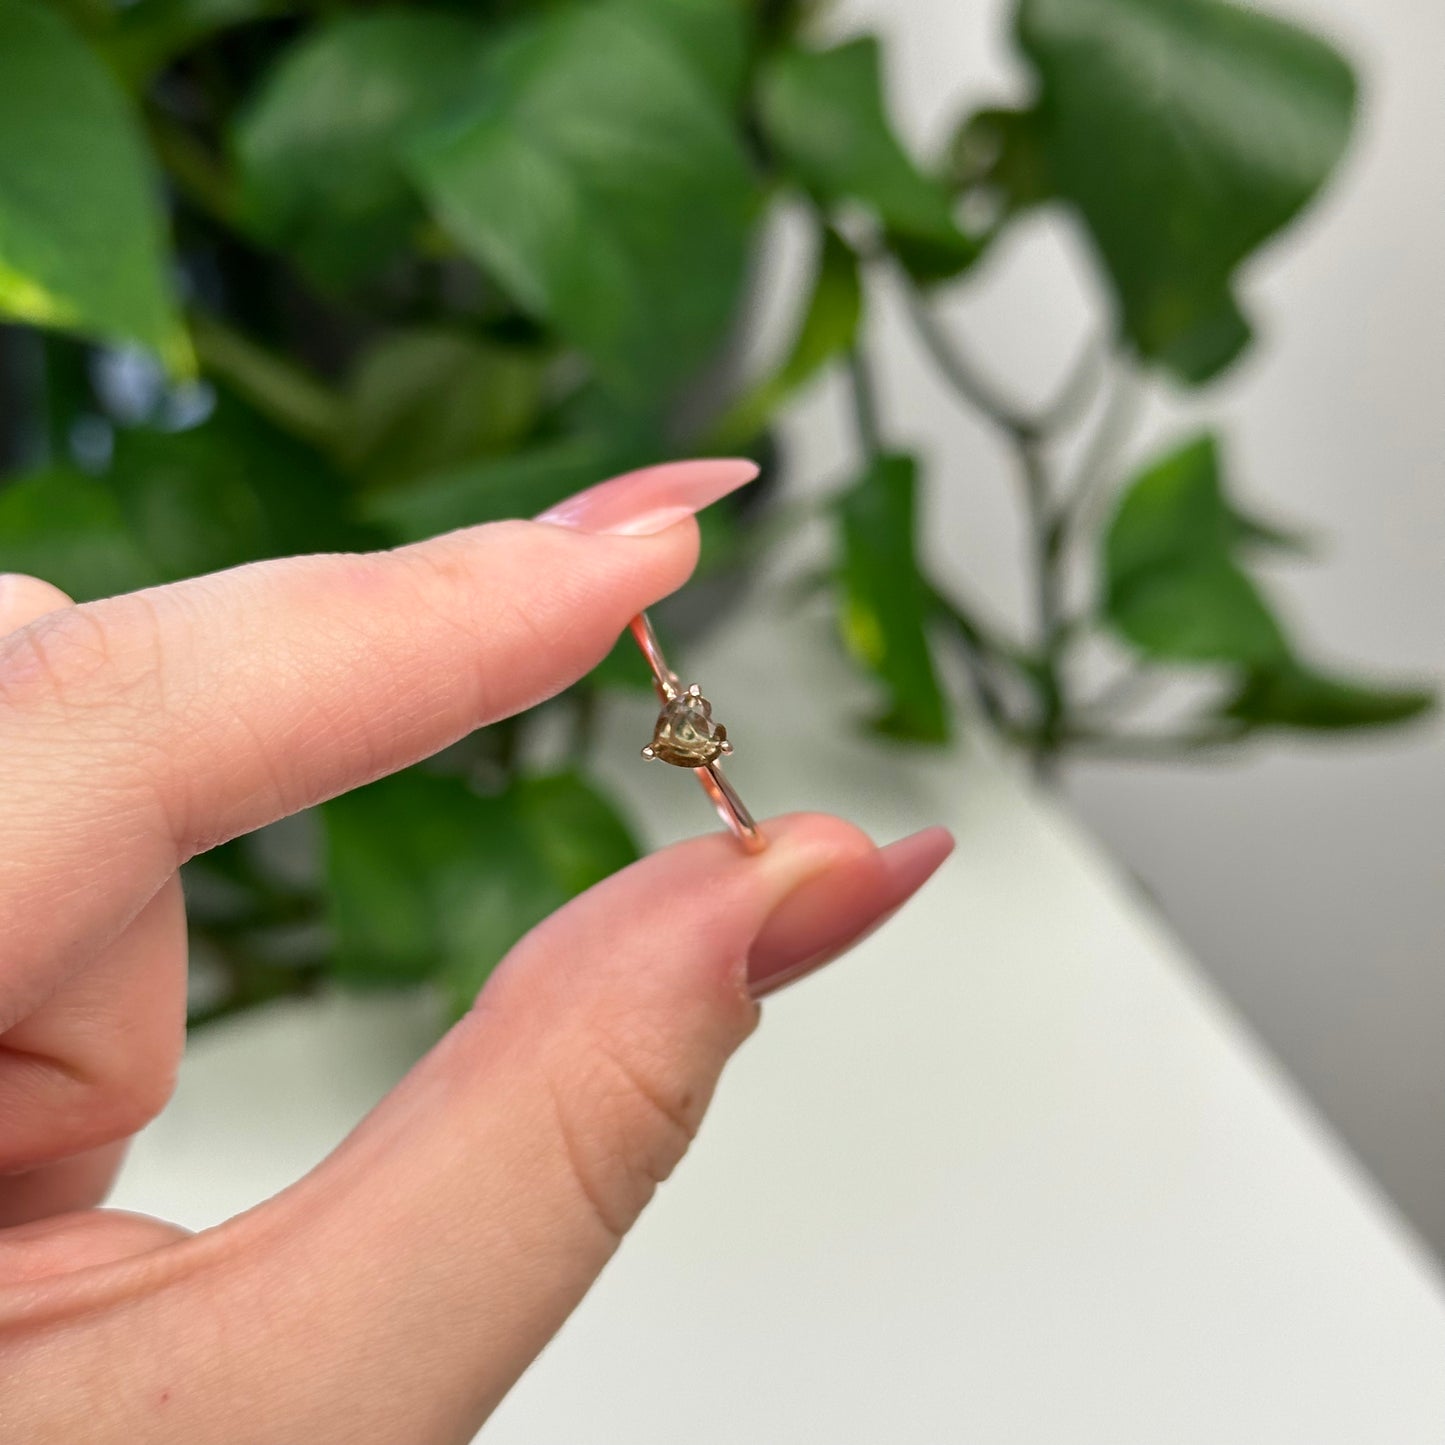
[{"x": 140, "y": 730}]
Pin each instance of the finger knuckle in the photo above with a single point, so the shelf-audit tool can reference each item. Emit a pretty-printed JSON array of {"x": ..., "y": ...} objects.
[
  {"x": 626, "y": 1118},
  {"x": 69, "y": 658}
]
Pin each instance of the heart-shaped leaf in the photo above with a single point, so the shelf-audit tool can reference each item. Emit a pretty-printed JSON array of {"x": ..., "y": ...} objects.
[
  {"x": 1185, "y": 133},
  {"x": 1202, "y": 610},
  {"x": 82, "y": 237},
  {"x": 604, "y": 185},
  {"x": 320, "y": 146},
  {"x": 1173, "y": 587}
]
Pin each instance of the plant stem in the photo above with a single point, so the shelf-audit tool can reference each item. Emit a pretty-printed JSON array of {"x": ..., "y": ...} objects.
[
  {"x": 288, "y": 395},
  {"x": 982, "y": 393},
  {"x": 1130, "y": 685},
  {"x": 1086, "y": 489},
  {"x": 195, "y": 171},
  {"x": 986, "y": 636},
  {"x": 1025, "y": 435},
  {"x": 1050, "y": 524},
  {"x": 981, "y": 652},
  {"x": 1046, "y": 540},
  {"x": 1077, "y": 389},
  {"x": 961, "y": 373},
  {"x": 1124, "y": 747},
  {"x": 67, "y": 392},
  {"x": 864, "y": 395}
]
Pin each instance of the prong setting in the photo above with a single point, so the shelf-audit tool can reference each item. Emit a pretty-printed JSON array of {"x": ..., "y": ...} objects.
[{"x": 687, "y": 737}]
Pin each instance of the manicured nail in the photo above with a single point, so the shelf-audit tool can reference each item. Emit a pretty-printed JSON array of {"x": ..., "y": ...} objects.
[
  {"x": 827, "y": 914},
  {"x": 638, "y": 504}
]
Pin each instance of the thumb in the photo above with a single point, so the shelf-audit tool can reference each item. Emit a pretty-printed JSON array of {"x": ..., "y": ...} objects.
[{"x": 400, "y": 1289}]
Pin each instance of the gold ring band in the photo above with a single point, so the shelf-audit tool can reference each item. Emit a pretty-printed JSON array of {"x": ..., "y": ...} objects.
[{"x": 687, "y": 737}]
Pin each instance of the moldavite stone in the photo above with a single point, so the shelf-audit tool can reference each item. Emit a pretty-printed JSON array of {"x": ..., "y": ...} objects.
[{"x": 686, "y": 735}]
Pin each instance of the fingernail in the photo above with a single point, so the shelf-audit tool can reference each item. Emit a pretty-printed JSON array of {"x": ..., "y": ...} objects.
[
  {"x": 639, "y": 504},
  {"x": 827, "y": 914}
]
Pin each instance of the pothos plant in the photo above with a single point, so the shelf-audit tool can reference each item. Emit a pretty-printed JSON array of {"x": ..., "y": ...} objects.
[{"x": 287, "y": 275}]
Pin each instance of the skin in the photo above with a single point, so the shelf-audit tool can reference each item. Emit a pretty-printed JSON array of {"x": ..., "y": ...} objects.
[{"x": 396, "y": 1292}]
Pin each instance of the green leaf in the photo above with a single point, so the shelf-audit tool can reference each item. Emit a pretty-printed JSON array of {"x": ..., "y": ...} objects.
[
  {"x": 886, "y": 602},
  {"x": 1185, "y": 133},
  {"x": 1204, "y": 610},
  {"x": 828, "y": 327},
  {"x": 1294, "y": 696},
  {"x": 520, "y": 484},
  {"x": 824, "y": 114},
  {"x": 68, "y": 528},
  {"x": 431, "y": 398},
  {"x": 1174, "y": 589},
  {"x": 429, "y": 880},
  {"x": 576, "y": 834},
  {"x": 710, "y": 36},
  {"x": 231, "y": 490},
  {"x": 1172, "y": 586},
  {"x": 604, "y": 186},
  {"x": 417, "y": 867},
  {"x": 319, "y": 147},
  {"x": 82, "y": 240},
  {"x": 1174, "y": 512}
]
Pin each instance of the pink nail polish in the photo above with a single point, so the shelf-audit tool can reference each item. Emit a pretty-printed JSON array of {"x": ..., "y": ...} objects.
[
  {"x": 830, "y": 913},
  {"x": 641, "y": 503}
]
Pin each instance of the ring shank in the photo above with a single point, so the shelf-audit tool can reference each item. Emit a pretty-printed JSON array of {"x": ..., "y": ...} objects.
[
  {"x": 664, "y": 679},
  {"x": 730, "y": 808}
]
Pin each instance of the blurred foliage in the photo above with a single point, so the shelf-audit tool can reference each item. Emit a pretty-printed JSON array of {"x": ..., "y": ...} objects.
[{"x": 285, "y": 276}]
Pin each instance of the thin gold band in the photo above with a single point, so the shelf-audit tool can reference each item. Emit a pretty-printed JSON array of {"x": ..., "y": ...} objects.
[{"x": 730, "y": 807}]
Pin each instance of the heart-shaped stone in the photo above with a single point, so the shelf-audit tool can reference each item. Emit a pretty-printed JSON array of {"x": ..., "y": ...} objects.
[{"x": 686, "y": 735}]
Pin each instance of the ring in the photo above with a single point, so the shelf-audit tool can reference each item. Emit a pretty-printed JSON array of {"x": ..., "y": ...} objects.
[{"x": 687, "y": 737}]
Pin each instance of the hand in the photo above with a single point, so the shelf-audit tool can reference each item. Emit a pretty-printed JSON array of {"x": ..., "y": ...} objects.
[{"x": 394, "y": 1294}]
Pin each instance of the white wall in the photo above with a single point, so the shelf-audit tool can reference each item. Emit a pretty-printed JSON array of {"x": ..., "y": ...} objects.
[{"x": 1309, "y": 879}]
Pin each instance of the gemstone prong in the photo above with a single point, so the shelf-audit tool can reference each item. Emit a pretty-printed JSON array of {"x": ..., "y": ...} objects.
[{"x": 686, "y": 736}]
